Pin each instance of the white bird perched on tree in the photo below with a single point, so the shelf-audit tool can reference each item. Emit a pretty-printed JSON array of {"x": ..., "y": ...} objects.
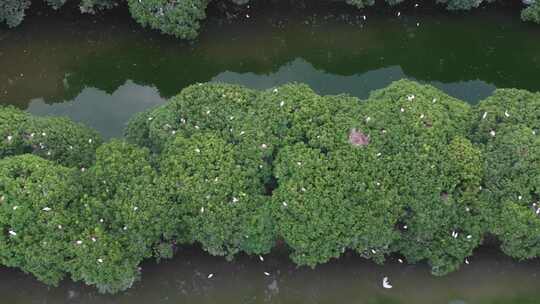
[{"x": 386, "y": 283}]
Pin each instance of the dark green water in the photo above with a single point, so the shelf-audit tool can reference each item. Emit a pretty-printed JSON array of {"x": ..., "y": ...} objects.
[{"x": 100, "y": 70}]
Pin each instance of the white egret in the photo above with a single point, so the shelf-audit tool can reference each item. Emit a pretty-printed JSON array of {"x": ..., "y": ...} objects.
[{"x": 386, "y": 283}]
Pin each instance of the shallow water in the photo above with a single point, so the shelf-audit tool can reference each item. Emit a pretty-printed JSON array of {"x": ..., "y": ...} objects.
[{"x": 100, "y": 70}]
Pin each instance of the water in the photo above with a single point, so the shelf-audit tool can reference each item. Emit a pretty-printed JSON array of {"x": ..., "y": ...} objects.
[
  {"x": 490, "y": 279},
  {"x": 100, "y": 70}
]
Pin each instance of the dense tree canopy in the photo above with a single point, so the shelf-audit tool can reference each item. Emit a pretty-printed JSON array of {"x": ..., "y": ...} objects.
[
  {"x": 183, "y": 18},
  {"x": 410, "y": 171},
  {"x": 54, "y": 138},
  {"x": 123, "y": 216},
  {"x": 37, "y": 199},
  {"x": 506, "y": 127}
]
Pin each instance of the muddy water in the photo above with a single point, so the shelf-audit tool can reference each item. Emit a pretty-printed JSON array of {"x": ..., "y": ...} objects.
[{"x": 490, "y": 278}]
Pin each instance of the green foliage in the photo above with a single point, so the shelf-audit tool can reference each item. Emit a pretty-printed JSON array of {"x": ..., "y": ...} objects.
[
  {"x": 12, "y": 11},
  {"x": 222, "y": 198},
  {"x": 532, "y": 12},
  {"x": 178, "y": 18},
  {"x": 235, "y": 169},
  {"x": 512, "y": 181},
  {"x": 12, "y": 121},
  {"x": 54, "y": 138},
  {"x": 506, "y": 125},
  {"x": 506, "y": 107},
  {"x": 182, "y": 19},
  {"x": 123, "y": 215},
  {"x": 419, "y": 132},
  {"x": 462, "y": 4},
  {"x": 36, "y": 199},
  {"x": 329, "y": 202},
  {"x": 198, "y": 108},
  {"x": 92, "y": 6},
  {"x": 360, "y": 3},
  {"x": 56, "y": 4}
]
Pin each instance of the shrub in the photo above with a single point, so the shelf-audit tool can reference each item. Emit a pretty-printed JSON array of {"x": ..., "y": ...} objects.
[
  {"x": 93, "y": 6},
  {"x": 419, "y": 132},
  {"x": 36, "y": 216},
  {"x": 505, "y": 127},
  {"x": 234, "y": 169},
  {"x": 198, "y": 108},
  {"x": 222, "y": 197},
  {"x": 329, "y": 202},
  {"x": 506, "y": 107},
  {"x": 178, "y": 18},
  {"x": 123, "y": 215},
  {"x": 12, "y": 11},
  {"x": 11, "y": 130},
  {"x": 532, "y": 12},
  {"x": 463, "y": 4},
  {"x": 512, "y": 179},
  {"x": 54, "y": 138}
]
